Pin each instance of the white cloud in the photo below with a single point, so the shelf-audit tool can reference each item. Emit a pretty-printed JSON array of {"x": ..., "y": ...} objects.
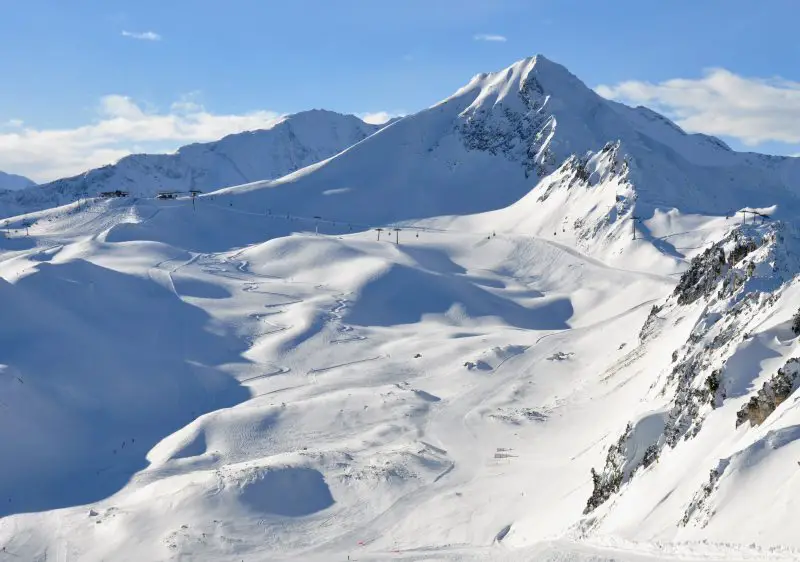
[
  {"x": 143, "y": 36},
  {"x": 490, "y": 37},
  {"x": 378, "y": 117},
  {"x": 13, "y": 123},
  {"x": 122, "y": 127},
  {"x": 753, "y": 110},
  {"x": 123, "y": 107}
]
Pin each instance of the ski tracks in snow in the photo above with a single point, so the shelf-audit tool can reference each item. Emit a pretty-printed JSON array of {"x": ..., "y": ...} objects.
[
  {"x": 449, "y": 429},
  {"x": 231, "y": 267},
  {"x": 344, "y": 329},
  {"x": 162, "y": 274}
]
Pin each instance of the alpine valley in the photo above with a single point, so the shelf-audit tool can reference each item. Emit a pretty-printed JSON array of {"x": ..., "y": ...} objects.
[{"x": 526, "y": 323}]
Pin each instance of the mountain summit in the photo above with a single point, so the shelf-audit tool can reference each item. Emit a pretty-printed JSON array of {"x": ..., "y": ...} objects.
[{"x": 498, "y": 137}]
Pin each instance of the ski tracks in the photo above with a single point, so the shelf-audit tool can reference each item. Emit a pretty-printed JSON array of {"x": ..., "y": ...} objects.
[
  {"x": 162, "y": 275},
  {"x": 232, "y": 267},
  {"x": 337, "y": 316}
]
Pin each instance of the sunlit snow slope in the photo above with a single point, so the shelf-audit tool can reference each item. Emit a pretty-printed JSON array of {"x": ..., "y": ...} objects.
[
  {"x": 494, "y": 140},
  {"x": 501, "y": 372}
]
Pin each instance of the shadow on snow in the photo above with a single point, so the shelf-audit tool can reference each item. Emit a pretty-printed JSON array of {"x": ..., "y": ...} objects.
[{"x": 103, "y": 366}]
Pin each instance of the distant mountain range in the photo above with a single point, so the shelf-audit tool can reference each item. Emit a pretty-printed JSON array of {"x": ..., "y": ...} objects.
[
  {"x": 13, "y": 182},
  {"x": 292, "y": 143},
  {"x": 480, "y": 149},
  {"x": 498, "y": 137}
]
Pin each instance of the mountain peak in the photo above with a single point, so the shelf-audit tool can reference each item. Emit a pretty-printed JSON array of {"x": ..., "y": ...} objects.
[
  {"x": 533, "y": 91},
  {"x": 14, "y": 182},
  {"x": 551, "y": 77}
]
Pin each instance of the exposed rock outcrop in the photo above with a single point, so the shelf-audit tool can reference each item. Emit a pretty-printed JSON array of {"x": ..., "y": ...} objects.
[{"x": 771, "y": 395}]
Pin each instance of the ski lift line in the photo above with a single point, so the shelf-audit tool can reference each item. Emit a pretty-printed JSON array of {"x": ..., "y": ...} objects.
[
  {"x": 314, "y": 219},
  {"x": 684, "y": 232},
  {"x": 417, "y": 228},
  {"x": 412, "y": 227},
  {"x": 389, "y": 226},
  {"x": 342, "y": 222},
  {"x": 404, "y": 226}
]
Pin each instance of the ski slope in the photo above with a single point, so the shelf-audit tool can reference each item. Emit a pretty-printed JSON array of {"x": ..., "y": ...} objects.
[
  {"x": 315, "y": 396},
  {"x": 498, "y": 373}
]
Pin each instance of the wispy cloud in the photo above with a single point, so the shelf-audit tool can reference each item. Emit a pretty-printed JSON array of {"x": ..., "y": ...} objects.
[
  {"x": 379, "y": 117},
  {"x": 143, "y": 35},
  {"x": 752, "y": 110},
  {"x": 121, "y": 127},
  {"x": 490, "y": 37},
  {"x": 13, "y": 123}
]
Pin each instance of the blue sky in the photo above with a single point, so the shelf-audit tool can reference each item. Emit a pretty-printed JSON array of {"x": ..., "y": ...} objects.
[{"x": 67, "y": 66}]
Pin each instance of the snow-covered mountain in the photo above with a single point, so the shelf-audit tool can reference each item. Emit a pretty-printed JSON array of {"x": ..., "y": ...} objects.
[
  {"x": 492, "y": 141},
  {"x": 291, "y": 143},
  {"x": 13, "y": 182},
  {"x": 585, "y": 165},
  {"x": 563, "y": 344},
  {"x": 716, "y": 432}
]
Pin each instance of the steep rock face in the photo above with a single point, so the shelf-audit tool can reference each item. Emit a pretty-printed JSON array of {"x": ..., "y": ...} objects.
[
  {"x": 698, "y": 510},
  {"x": 771, "y": 395},
  {"x": 585, "y": 180},
  {"x": 292, "y": 143},
  {"x": 714, "y": 264},
  {"x": 521, "y": 130},
  {"x": 721, "y": 304},
  {"x": 608, "y": 481},
  {"x": 588, "y": 202},
  {"x": 635, "y": 449},
  {"x": 539, "y": 115}
]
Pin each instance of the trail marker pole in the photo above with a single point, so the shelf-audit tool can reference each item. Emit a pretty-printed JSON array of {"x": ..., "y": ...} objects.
[
  {"x": 193, "y": 193},
  {"x": 634, "y": 219},
  {"x": 397, "y": 236},
  {"x": 379, "y": 230}
]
